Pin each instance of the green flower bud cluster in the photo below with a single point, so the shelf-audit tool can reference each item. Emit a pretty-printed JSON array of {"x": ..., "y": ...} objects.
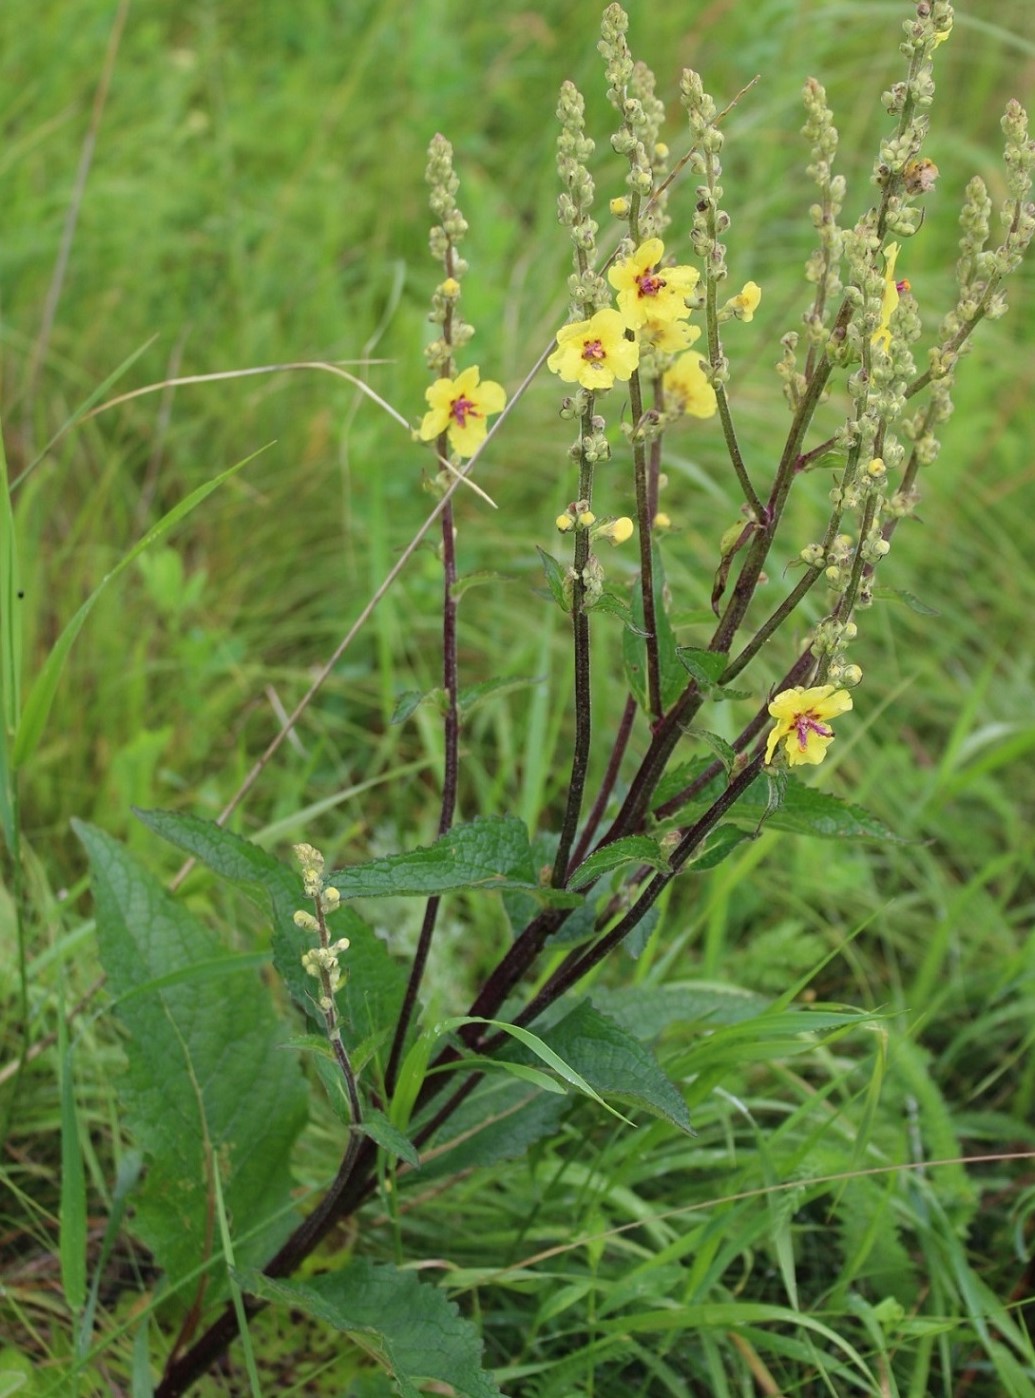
[
  {"x": 591, "y": 576},
  {"x": 794, "y": 381},
  {"x": 1018, "y": 213},
  {"x": 444, "y": 182},
  {"x": 839, "y": 557},
  {"x": 614, "y": 50},
  {"x": 442, "y": 242},
  {"x": 587, "y": 290},
  {"x": 710, "y": 220},
  {"x": 831, "y": 636},
  {"x": 823, "y": 268},
  {"x": 592, "y": 446},
  {"x": 312, "y": 862},
  {"x": 321, "y": 962}
]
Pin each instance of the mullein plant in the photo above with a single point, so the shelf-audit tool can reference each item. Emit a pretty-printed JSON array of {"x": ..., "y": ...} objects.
[{"x": 645, "y": 352}]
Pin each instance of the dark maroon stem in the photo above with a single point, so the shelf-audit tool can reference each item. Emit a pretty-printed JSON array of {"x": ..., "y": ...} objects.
[{"x": 450, "y": 776}]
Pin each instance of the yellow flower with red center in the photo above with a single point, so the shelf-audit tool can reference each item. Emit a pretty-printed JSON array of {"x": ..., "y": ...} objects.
[
  {"x": 648, "y": 291},
  {"x": 801, "y": 722},
  {"x": 460, "y": 407},
  {"x": 889, "y": 299},
  {"x": 686, "y": 388},
  {"x": 594, "y": 352}
]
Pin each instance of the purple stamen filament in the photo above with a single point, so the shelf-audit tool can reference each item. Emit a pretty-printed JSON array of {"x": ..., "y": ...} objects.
[
  {"x": 650, "y": 284},
  {"x": 461, "y": 408},
  {"x": 805, "y": 725}
]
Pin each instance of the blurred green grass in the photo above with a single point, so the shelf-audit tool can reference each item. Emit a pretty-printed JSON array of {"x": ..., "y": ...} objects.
[{"x": 256, "y": 197}]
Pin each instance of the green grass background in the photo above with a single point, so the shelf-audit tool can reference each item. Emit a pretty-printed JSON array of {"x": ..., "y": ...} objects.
[{"x": 256, "y": 196}]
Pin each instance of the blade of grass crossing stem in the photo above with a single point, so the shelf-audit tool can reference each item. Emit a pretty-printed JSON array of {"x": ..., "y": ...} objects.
[
  {"x": 544, "y": 1053},
  {"x": 235, "y": 1290},
  {"x": 73, "y": 1176},
  {"x": 10, "y": 648},
  {"x": 41, "y": 697}
]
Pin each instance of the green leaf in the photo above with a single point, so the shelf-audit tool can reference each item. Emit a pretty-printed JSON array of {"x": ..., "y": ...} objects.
[
  {"x": 634, "y": 650},
  {"x": 490, "y": 854},
  {"x": 369, "y": 1001},
  {"x": 719, "y": 846},
  {"x": 501, "y": 1120},
  {"x": 678, "y": 778},
  {"x": 616, "y": 1064},
  {"x": 541, "y": 1049},
  {"x": 908, "y": 599},
  {"x": 614, "y": 605},
  {"x": 555, "y": 573},
  {"x": 804, "y": 810},
  {"x": 646, "y": 1011},
  {"x": 408, "y": 703},
  {"x": 718, "y": 747},
  {"x": 391, "y": 1140},
  {"x": 476, "y": 579},
  {"x": 704, "y": 665},
  {"x": 472, "y": 695},
  {"x": 631, "y": 849},
  {"x": 209, "y": 1085},
  {"x": 413, "y": 1331},
  {"x": 41, "y": 696}
]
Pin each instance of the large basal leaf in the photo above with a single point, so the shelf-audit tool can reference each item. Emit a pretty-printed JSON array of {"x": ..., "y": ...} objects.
[
  {"x": 209, "y": 1084},
  {"x": 369, "y": 1001},
  {"x": 615, "y": 1064},
  {"x": 412, "y": 1329}
]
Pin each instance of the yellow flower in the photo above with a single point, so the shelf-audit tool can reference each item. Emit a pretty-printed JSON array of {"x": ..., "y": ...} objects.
[
  {"x": 460, "y": 407},
  {"x": 594, "y": 352},
  {"x": 668, "y": 336},
  {"x": 686, "y": 388},
  {"x": 744, "y": 305},
  {"x": 800, "y": 722},
  {"x": 889, "y": 300},
  {"x": 940, "y": 38},
  {"x": 647, "y": 291},
  {"x": 617, "y": 531}
]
